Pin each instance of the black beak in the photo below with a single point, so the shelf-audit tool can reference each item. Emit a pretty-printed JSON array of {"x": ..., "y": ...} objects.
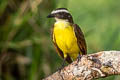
[{"x": 50, "y": 16}]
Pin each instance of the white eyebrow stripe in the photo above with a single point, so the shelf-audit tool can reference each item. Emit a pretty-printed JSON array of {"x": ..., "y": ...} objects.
[{"x": 57, "y": 11}]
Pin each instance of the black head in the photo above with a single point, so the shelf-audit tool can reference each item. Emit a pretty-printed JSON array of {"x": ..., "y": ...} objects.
[{"x": 61, "y": 13}]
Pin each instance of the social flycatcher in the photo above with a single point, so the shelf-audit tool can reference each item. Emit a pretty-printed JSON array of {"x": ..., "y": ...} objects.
[{"x": 67, "y": 36}]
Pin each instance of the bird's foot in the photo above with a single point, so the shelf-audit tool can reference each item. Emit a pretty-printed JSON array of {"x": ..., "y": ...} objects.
[
  {"x": 62, "y": 66},
  {"x": 79, "y": 58}
]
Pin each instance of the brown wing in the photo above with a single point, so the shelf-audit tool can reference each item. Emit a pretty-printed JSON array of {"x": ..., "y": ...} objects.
[
  {"x": 80, "y": 39},
  {"x": 60, "y": 53}
]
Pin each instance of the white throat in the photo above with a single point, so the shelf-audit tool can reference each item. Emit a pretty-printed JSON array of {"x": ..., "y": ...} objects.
[
  {"x": 61, "y": 23},
  {"x": 61, "y": 20}
]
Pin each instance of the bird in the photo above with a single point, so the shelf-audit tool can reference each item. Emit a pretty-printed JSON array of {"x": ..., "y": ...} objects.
[{"x": 67, "y": 36}]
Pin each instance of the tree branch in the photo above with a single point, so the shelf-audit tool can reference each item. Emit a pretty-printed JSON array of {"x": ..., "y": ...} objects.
[{"x": 97, "y": 65}]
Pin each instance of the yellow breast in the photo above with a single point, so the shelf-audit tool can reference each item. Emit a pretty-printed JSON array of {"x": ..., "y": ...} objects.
[{"x": 65, "y": 39}]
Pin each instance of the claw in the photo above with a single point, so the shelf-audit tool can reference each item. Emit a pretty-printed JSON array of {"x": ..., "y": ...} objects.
[
  {"x": 79, "y": 58},
  {"x": 62, "y": 66}
]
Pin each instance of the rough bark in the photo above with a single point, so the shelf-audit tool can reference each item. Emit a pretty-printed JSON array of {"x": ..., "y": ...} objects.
[{"x": 97, "y": 65}]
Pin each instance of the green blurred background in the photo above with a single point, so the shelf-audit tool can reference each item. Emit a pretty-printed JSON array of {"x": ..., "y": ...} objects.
[{"x": 26, "y": 49}]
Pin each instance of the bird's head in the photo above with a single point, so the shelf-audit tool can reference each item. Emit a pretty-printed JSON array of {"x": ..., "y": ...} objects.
[{"x": 61, "y": 14}]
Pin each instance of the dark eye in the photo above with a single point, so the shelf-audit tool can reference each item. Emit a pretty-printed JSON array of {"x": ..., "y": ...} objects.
[{"x": 69, "y": 16}]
